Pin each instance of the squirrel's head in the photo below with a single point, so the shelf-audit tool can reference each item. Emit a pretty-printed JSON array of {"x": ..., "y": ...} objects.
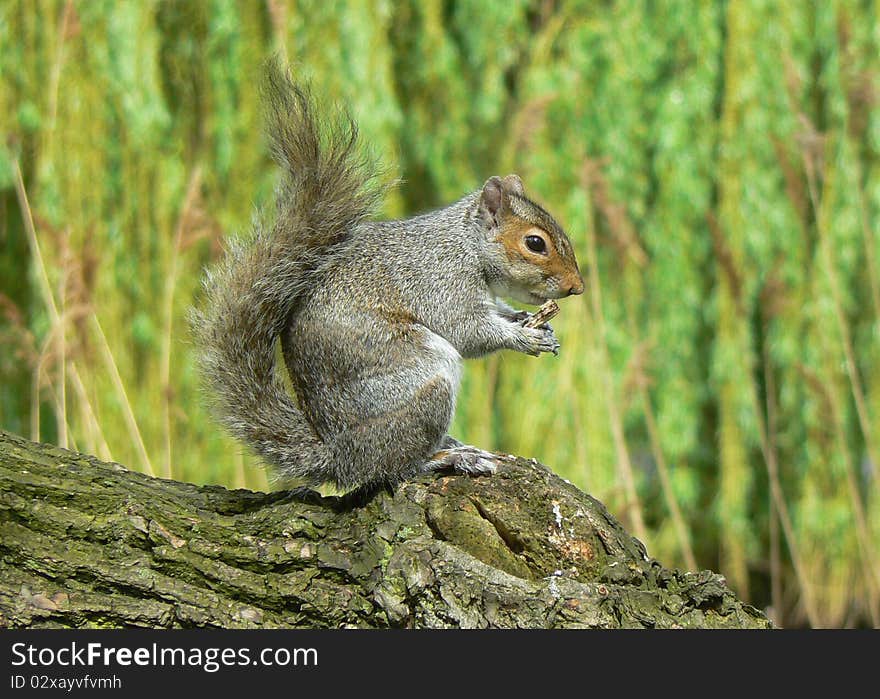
[{"x": 533, "y": 258}]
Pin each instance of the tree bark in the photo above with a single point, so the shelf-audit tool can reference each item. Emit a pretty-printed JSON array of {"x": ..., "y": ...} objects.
[{"x": 85, "y": 543}]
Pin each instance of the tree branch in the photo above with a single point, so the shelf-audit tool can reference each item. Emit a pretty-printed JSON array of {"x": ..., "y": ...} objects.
[{"x": 88, "y": 543}]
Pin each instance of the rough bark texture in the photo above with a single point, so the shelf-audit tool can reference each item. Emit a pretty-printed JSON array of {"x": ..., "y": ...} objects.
[{"x": 87, "y": 543}]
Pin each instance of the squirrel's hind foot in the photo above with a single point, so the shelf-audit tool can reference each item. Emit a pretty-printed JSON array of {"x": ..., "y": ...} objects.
[{"x": 465, "y": 460}]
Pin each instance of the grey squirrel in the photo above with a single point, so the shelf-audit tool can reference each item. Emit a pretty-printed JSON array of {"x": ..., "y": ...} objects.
[{"x": 374, "y": 317}]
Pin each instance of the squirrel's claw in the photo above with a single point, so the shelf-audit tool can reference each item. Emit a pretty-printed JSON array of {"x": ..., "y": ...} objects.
[{"x": 538, "y": 340}]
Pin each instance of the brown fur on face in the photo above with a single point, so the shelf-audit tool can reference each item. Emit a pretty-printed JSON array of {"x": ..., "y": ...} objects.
[{"x": 556, "y": 261}]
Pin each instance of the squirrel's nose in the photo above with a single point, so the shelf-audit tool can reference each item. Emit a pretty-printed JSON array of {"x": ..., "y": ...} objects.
[{"x": 577, "y": 288}]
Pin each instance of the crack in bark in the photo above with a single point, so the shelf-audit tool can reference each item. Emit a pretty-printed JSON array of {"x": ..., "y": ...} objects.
[{"x": 514, "y": 543}]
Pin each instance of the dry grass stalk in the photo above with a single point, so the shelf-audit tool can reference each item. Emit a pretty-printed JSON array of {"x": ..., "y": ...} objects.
[
  {"x": 623, "y": 231},
  {"x": 633, "y": 505},
  {"x": 186, "y": 224},
  {"x": 638, "y": 382},
  {"x": 57, "y": 322}
]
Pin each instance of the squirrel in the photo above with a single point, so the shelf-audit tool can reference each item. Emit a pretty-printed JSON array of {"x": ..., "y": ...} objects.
[{"x": 374, "y": 317}]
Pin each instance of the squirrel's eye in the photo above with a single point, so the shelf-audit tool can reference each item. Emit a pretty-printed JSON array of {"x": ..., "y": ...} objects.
[{"x": 536, "y": 243}]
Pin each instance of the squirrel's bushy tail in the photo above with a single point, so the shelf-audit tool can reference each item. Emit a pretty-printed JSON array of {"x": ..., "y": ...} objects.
[{"x": 328, "y": 186}]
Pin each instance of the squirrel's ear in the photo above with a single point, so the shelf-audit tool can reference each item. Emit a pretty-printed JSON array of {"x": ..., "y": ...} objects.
[
  {"x": 512, "y": 183},
  {"x": 493, "y": 198},
  {"x": 495, "y": 195}
]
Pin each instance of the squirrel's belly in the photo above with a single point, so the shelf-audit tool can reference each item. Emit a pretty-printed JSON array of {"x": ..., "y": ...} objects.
[{"x": 448, "y": 360}]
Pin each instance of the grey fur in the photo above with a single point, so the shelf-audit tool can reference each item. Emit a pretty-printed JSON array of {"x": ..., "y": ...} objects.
[{"x": 374, "y": 317}]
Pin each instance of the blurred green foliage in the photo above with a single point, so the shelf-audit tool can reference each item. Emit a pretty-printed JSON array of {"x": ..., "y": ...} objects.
[{"x": 716, "y": 164}]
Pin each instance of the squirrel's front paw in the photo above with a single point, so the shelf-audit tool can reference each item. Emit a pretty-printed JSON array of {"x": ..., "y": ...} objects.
[
  {"x": 537, "y": 340},
  {"x": 517, "y": 316}
]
